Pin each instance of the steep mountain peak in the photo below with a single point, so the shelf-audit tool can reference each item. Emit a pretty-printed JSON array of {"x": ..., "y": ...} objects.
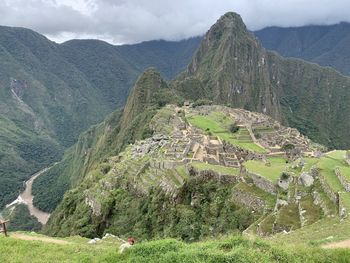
[
  {"x": 224, "y": 39},
  {"x": 230, "y": 20},
  {"x": 143, "y": 94}
]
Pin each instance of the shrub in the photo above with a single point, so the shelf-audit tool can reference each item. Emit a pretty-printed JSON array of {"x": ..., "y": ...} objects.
[{"x": 234, "y": 128}]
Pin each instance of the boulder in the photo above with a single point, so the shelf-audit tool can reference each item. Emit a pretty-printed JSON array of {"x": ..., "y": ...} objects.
[{"x": 306, "y": 179}]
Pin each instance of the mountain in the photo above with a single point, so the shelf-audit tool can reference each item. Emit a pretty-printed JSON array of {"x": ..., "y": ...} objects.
[
  {"x": 108, "y": 138},
  {"x": 194, "y": 178},
  {"x": 324, "y": 45},
  {"x": 50, "y": 93},
  {"x": 164, "y": 170},
  {"x": 231, "y": 67}
]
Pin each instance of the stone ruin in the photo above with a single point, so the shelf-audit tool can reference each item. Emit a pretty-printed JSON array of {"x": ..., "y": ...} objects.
[{"x": 149, "y": 145}]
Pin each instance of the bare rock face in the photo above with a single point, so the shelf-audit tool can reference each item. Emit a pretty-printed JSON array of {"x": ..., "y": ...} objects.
[{"x": 306, "y": 179}]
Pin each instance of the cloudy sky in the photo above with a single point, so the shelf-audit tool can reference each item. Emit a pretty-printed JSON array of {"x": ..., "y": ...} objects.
[{"x": 130, "y": 21}]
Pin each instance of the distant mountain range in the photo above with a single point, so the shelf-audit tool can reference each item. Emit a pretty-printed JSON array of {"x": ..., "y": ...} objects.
[
  {"x": 324, "y": 45},
  {"x": 50, "y": 93}
]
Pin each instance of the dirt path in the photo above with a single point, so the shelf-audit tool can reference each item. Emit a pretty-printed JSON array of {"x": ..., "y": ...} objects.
[
  {"x": 340, "y": 244},
  {"x": 43, "y": 239}
]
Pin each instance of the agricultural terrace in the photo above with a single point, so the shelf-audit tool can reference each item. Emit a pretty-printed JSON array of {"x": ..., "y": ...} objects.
[
  {"x": 216, "y": 168},
  {"x": 271, "y": 170},
  {"x": 217, "y": 123}
]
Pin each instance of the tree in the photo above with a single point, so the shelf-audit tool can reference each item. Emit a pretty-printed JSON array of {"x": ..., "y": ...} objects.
[{"x": 234, "y": 128}]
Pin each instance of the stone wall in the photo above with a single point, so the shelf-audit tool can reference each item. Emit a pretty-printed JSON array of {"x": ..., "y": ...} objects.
[
  {"x": 212, "y": 175},
  {"x": 248, "y": 199},
  {"x": 343, "y": 212},
  {"x": 262, "y": 183},
  {"x": 328, "y": 190},
  {"x": 317, "y": 200},
  {"x": 344, "y": 181},
  {"x": 166, "y": 164}
]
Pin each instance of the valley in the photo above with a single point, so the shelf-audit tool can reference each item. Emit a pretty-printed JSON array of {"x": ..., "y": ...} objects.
[
  {"x": 26, "y": 197},
  {"x": 243, "y": 155}
]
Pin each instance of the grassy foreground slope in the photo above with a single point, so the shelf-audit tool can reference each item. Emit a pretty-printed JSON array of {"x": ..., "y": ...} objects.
[{"x": 231, "y": 249}]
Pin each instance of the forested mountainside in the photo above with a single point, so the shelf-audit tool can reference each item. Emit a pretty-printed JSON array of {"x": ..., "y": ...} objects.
[
  {"x": 324, "y": 45},
  {"x": 230, "y": 67},
  {"x": 50, "y": 93}
]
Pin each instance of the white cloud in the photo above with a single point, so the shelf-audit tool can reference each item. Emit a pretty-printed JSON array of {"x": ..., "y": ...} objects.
[{"x": 129, "y": 21}]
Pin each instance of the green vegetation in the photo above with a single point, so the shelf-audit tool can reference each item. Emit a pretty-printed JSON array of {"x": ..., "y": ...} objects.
[
  {"x": 204, "y": 208},
  {"x": 288, "y": 216},
  {"x": 271, "y": 170},
  {"x": 15, "y": 250},
  {"x": 216, "y": 168},
  {"x": 322, "y": 44},
  {"x": 218, "y": 124},
  {"x": 61, "y": 90},
  {"x": 20, "y": 219},
  {"x": 327, "y": 167},
  {"x": 316, "y": 233},
  {"x": 252, "y": 189},
  {"x": 228, "y": 249},
  {"x": 303, "y": 88}
]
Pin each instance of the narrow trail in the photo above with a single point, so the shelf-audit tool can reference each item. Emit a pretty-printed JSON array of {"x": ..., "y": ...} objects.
[
  {"x": 340, "y": 244},
  {"x": 43, "y": 239},
  {"x": 26, "y": 197}
]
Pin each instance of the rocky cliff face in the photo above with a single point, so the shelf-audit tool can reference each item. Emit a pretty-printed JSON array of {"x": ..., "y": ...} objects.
[{"x": 231, "y": 67}]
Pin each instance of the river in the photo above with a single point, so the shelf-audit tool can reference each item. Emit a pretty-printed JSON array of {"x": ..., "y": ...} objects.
[{"x": 26, "y": 197}]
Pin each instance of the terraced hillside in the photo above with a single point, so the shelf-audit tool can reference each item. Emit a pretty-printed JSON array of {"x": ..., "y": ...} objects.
[{"x": 208, "y": 170}]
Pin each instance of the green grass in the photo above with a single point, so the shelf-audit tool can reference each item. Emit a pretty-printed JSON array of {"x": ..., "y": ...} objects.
[
  {"x": 289, "y": 216},
  {"x": 309, "y": 162},
  {"x": 345, "y": 171},
  {"x": 218, "y": 123},
  {"x": 181, "y": 170},
  {"x": 338, "y": 154},
  {"x": 272, "y": 172},
  {"x": 268, "y": 198},
  {"x": 313, "y": 213},
  {"x": 329, "y": 228},
  {"x": 221, "y": 250},
  {"x": 15, "y": 250},
  {"x": 216, "y": 168},
  {"x": 345, "y": 199},
  {"x": 327, "y": 166}
]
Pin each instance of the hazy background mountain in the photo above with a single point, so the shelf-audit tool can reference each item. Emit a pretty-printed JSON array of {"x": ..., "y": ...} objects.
[
  {"x": 51, "y": 92},
  {"x": 324, "y": 45}
]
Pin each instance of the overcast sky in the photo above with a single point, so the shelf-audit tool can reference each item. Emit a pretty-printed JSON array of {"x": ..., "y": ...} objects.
[{"x": 130, "y": 21}]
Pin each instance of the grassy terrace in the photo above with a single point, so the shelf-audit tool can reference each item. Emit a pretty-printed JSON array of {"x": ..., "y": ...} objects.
[
  {"x": 269, "y": 198},
  {"x": 272, "y": 172},
  {"x": 216, "y": 168},
  {"x": 218, "y": 124},
  {"x": 339, "y": 155},
  {"x": 345, "y": 199},
  {"x": 309, "y": 162},
  {"x": 345, "y": 171},
  {"x": 327, "y": 166},
  {"x": 328, "y": 229}
]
